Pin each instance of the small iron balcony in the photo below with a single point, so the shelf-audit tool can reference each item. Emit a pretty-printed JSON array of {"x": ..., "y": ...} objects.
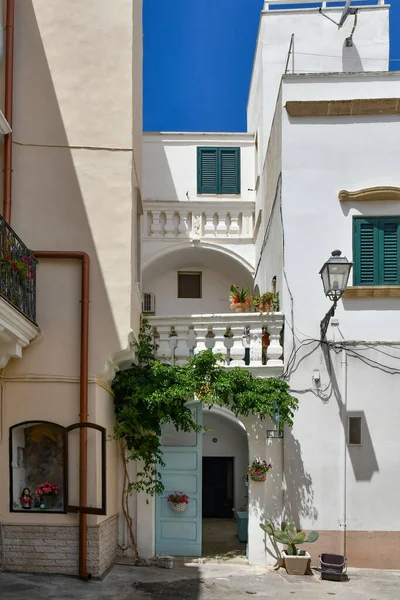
[{"x": 17, "y": 272}]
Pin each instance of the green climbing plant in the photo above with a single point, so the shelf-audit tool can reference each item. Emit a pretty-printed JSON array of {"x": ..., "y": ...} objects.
[{"x": 152, "y": 393}]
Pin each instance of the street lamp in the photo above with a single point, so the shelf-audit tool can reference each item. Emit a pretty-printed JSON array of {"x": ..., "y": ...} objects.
[{"x": 335, "y": 275}]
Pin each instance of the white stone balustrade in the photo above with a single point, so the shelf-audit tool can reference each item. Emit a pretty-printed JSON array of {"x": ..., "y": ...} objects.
[
  {"x": 237, "y": 336},
  {"x": 199, "y": 220}
]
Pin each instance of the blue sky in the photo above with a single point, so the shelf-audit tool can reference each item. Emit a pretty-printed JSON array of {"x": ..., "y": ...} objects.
[{"x": 198, "y": 56}]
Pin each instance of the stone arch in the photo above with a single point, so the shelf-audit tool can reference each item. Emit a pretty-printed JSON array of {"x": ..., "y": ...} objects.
[
  {"x": 162, "y": 253},
  {"x": 218, "y": 270}
]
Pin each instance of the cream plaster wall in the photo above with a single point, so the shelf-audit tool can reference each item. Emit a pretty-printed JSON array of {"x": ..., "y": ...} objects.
[
  {"x": 76, "y": 186},
  {"x": 33, "y": 401},
  {"x": 73, "y": 126}
]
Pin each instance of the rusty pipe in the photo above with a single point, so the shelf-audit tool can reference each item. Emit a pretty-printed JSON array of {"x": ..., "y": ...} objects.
[
  {"x": 8, "y": 108},
  {"x": 83, "y": 391}
]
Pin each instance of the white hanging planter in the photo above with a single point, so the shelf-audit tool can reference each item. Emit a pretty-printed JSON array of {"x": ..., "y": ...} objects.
[{"x": 178, "y": 506}]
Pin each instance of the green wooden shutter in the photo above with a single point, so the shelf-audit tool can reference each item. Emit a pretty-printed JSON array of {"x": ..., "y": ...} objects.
[
  {"x": 389, "y": 251},
  {"x": 207, "y": 170},
  {"x": 229, "y": 170},
  {"x": 365, "y": 252}
]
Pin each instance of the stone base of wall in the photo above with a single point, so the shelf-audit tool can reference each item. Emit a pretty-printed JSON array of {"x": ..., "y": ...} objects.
[
  {"x": 364, "y": 549},
  {"x": 54, "y": 548}
]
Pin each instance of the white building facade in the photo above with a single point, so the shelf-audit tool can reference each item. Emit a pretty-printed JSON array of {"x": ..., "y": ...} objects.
[{"x": 317, "y": 171}]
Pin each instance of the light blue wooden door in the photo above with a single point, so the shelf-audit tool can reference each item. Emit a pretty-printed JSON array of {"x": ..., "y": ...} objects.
[{"x": 179, "y": 534}]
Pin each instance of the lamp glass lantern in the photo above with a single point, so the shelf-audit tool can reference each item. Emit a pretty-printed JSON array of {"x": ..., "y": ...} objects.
[{"x": 335, "y": 275}]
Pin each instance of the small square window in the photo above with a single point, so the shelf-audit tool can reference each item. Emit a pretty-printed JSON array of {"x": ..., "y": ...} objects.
[
  {"x": 354, "y": 431},
  {"x": 189, "y": 284}
]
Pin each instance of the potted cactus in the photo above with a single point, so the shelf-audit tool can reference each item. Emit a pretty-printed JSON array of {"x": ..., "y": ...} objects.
[{"x": 296, "y": 561}]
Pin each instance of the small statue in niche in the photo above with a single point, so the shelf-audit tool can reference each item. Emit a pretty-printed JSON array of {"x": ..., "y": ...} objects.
[{"x": 26, "y": 498}]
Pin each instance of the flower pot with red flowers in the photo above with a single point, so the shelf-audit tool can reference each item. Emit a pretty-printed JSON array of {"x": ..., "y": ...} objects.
[
  {"x": 239, "y": 298},
  {"x": 178, "y": 501},
  {"x": 258, "y": 470},
  {"x": 47, "y": 493}
]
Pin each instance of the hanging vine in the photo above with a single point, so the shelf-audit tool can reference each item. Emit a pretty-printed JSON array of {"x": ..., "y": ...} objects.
[{"x": 152, "y": 393}]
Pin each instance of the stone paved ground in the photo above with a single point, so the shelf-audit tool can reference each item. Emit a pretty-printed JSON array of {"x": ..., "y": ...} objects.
[{"x": 201, "y": 582}]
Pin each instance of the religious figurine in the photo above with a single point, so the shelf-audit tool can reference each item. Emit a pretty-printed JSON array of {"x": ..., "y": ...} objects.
[{"x": 26, "y": 498}]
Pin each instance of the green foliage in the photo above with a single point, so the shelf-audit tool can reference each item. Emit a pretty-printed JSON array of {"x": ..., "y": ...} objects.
[
  {"x": 152, "y": 393},
  {"x": 238, "y": 295},
  {"x": 288, "y": 535}
]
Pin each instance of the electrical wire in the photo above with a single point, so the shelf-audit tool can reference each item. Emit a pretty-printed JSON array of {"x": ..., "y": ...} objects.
[{"x": 349, "y": 57}]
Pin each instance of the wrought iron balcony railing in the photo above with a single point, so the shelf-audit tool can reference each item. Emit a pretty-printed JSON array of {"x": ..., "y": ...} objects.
[{"x": 17, "y": 272}]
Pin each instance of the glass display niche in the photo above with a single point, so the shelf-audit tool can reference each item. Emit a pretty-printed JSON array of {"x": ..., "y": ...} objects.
[{"x": 37, "y": 455}]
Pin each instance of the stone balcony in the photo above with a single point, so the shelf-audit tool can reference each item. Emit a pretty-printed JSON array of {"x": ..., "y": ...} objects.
[
  {"x": 240, "y": 337},
  {"x": 207, "y": 219}
]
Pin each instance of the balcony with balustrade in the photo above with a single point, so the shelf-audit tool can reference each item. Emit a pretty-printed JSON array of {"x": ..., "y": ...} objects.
[
  {"x": 249, "y": 340},
  {"x": 17, "y": 295}
]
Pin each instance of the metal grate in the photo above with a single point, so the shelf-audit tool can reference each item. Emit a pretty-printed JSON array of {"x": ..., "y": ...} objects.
[
  {"x": 17, "y": 272},
  {"x": 148, "y": 303}
]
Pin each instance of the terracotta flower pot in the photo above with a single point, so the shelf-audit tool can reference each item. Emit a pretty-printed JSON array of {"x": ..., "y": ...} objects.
[{"x": 239, "y": 307}]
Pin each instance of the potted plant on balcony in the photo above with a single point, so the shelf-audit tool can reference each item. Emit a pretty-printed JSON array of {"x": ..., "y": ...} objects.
[
  {"x": 266, "y": 301},
  {"x": 239, "y": 298},
  {"x": 258, "y": 470},
  {"x": 275, "y": 302},
  {"x": 296, "y": 561},
  {"x": 257, "y": 303},
  {"x": 178, "y": 501}
]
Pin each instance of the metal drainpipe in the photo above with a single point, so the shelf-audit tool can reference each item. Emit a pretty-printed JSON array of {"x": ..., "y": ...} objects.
[
  {"x": 344, "y": 422},
  {"x": 83, "y": 392},
  {"x": 8, "y": 108}
]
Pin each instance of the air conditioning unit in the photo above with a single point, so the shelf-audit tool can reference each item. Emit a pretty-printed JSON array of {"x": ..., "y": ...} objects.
[{"x": 148, "y": 304}]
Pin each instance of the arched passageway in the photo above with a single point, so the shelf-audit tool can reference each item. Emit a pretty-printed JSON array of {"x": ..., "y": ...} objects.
[
  {"x": 217, "y": 271},
  {"x": 224, "y": 484}
]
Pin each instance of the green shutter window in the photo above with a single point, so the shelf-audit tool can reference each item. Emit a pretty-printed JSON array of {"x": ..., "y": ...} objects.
[
  {"x": 207, "y": 170},
  {"x": 376, "y": 242},
  {"x": 218, "y": 170},
  {"x": 230, "y": 171},
  {"x": 389, "y": 232}
]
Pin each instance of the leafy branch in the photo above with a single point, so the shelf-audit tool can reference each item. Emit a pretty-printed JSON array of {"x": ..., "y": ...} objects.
[{"x": 151, "y": 394}]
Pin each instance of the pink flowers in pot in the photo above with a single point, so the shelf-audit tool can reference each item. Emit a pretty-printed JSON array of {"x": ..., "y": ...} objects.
[
  {"x": 47, "y": 489},
  {"x": 259, "y": 467},
  {"x": 178, "y": 498}
]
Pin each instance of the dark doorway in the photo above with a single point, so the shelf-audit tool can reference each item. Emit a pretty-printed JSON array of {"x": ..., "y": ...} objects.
[{"x": 217, "y": 487}]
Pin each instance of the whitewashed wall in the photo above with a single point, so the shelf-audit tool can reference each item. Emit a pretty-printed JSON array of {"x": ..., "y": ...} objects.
[
  {"x": 170, "y": 164},
  {"x": 269, "y": 238},
  {"x": 362, "y": 152},
  {"x": 218, "y": 274},
  {"x": 321, "y": 156},
  {"x": 319, "y": 47}
]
